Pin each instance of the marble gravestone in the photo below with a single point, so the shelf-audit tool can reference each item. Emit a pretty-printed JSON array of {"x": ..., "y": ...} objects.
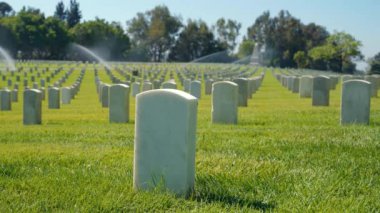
[
  {"x": 186, "y": 85},
  {"x": 225, "y": 96},
  {"x": 66, "y": 95},
  {"x": 32, "y": 107},
  {"x": 135, "y": 88},
  {"x": 169, "y": 85},
  {"x": 119, "y": 103},
  {"x": 243, "y": 91},
  {"x": 15, "y": 95},
  {"x": 195, "y": 89},
  {"x": 165, "y": 136},
  {"x": 5, "y": 100},
  {"x": 306, "y": 86},
  {"x": 105, "y": 93},
  {"x": 321, "y": 91},
  {"x": 208, "y": 86},
  {"x": 54, "y": 98},
  {"x": 147, "y": 86},
  {"x": 356, "y": 102}
]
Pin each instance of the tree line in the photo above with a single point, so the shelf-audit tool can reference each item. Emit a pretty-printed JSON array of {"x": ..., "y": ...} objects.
[{"x": 157, "y": 35}]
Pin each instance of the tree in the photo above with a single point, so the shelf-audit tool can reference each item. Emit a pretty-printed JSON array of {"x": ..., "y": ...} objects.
[
  {"x": 227, "y": 32},
  {"x": 60, "y": 12},
  {"x": 338, "y": 53},
  {"x": 246, "y": 47},
  {"x": 74, "y": 14},
  {"x": 375, "y": 64},
  {"x": 108, "y": 38},
  {"x": 154, "y": 30},
  {"x": 195, "y": 40},
  {"x": 57, "y": 38},
  {"x": 5, "y": 9},
  {"x": 300, "y": 58}
]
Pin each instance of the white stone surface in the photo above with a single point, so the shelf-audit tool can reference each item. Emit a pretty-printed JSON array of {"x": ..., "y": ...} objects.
[
  {"x": 135, "y": 88},
  {"x": 66, "y": 95},
  {"x": 321, "y": 91},
  {"x": 32, "y": 107},
  {"x": 105, "y": 94},
  {"x": 243, "y": 91},
  {"x": 306, "y": 86},
  {"x": 54, "y": 98},
  {"x": 119, "y": 103},
  {"x": 356, "y": 102},
  {"x": 5, "y": 100},
  {"x": 196, "y": 89},
  {"x": 165, "y": 136},
  {"x": 225, "y": 96}
]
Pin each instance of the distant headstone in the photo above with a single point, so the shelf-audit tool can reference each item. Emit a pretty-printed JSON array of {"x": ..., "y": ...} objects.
[
  {"x": 195, "y": 89},
  {"x": 373, "y": 82},
  {"x": 15, "y": 95},
  {"x": 54, "y": 98},
  {"x": 356, "y": 102},
  {"x": 165, "y": 141},
  {"x": 147, "y": 86},
  {"x": 105, "y": 95},
  {"x": 186, "y": 85},
  {"x": 243, "y": 91},
  {"x": 306, "y": 86},
  {"x": 208, "y": 86},
  {"x": 169, "y": 85},
  {"x": 32, "y": 107},
  {"x": 296, "y": 84},
  {"x": 119, "y": 103},
  {"x": 321, "y": 91},
  {"x": 225, "y": 96},
  {"x": 6, "y": 100},
  {"x": 66, "y": 95},
  {"x": 135, "y": 88}
]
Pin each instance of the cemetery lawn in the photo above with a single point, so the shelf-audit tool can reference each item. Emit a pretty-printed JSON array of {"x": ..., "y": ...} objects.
[{"x": 284, "y": 155}]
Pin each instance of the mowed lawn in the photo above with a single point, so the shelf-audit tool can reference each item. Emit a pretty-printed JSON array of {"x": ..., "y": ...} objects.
[{"x": 284, "y": 155}]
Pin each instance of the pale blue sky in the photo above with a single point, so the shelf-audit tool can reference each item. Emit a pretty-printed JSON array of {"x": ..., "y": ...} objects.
[{"x": 360, "y": 18}]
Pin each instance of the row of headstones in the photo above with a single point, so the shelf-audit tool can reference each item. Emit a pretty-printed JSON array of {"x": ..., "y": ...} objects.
[
  {"x": 32, "y": 104},
  {"x": 32, "y": 78},
  {"x": 355, "y": 100}
]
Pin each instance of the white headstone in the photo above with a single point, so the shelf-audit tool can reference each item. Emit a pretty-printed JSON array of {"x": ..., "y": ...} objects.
[
  {"x": 321, "y": 91},
  {"x": 5, "y": 100},
  {"x": 165, "y": 136},
  {"x": 105, "y": 93},
  {"x": 135, "y": 88},
  {"x": 195, "y": 89},
  {"x": 306, "y": 86},
  {"x": 225, "y": 102},
  {"x": 243, "y": 91},
  {"x": 66, "y": 95},
  {"x": 32, "y": 107},
  {"x": 54, "y": 98},
  {"x": 119, "y": 103},
  {"x": 147, "y": 86},
  {"x": 356, "y": 102}
]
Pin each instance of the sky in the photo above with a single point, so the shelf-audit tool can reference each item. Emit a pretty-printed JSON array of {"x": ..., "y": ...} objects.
[{"x": 360, "y": 18}]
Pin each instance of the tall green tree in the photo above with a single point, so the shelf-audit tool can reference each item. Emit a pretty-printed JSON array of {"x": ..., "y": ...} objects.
[
  {"x": 5, "y": 9},
  {"x": 60, "y": 11},
  {"x": 375, "y": 64},
  {"x": 100, "y": 34},
  {"x": 246, "y": 47},
  {"x": 154, "y": 30},
  {"x": 339, "y": 53},
  {"x": 227, "y": 32},
  {"x": 74, "y": 14},
  {"x": 195, "y": 40}
]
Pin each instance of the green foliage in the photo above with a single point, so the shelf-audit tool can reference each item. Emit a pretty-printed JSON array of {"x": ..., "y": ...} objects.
[
  {"x": 283, "y": 36},
  {"x": 375, "y": 64},
  {"x": 338, "y": 52},
  {"x": 60, "y": 11},
  {"x": 5, "y": 9},
  {"x": 227, "y": 32},
  {"x": 301, "y": 59},
  {"x": 109, "y": 37},
  {"x": 246, "y": 48},
  {"x": 155, "y": 30},
  {"x": 195, "y": 40},
  {"x": 74, "y": 14}
]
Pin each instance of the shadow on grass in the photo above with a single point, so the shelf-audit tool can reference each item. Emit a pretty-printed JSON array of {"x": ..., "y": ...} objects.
[{"x": 211, "y": 189}]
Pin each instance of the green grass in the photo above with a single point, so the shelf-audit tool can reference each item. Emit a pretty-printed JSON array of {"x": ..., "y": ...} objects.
[{"x": 284, "y": 155}]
